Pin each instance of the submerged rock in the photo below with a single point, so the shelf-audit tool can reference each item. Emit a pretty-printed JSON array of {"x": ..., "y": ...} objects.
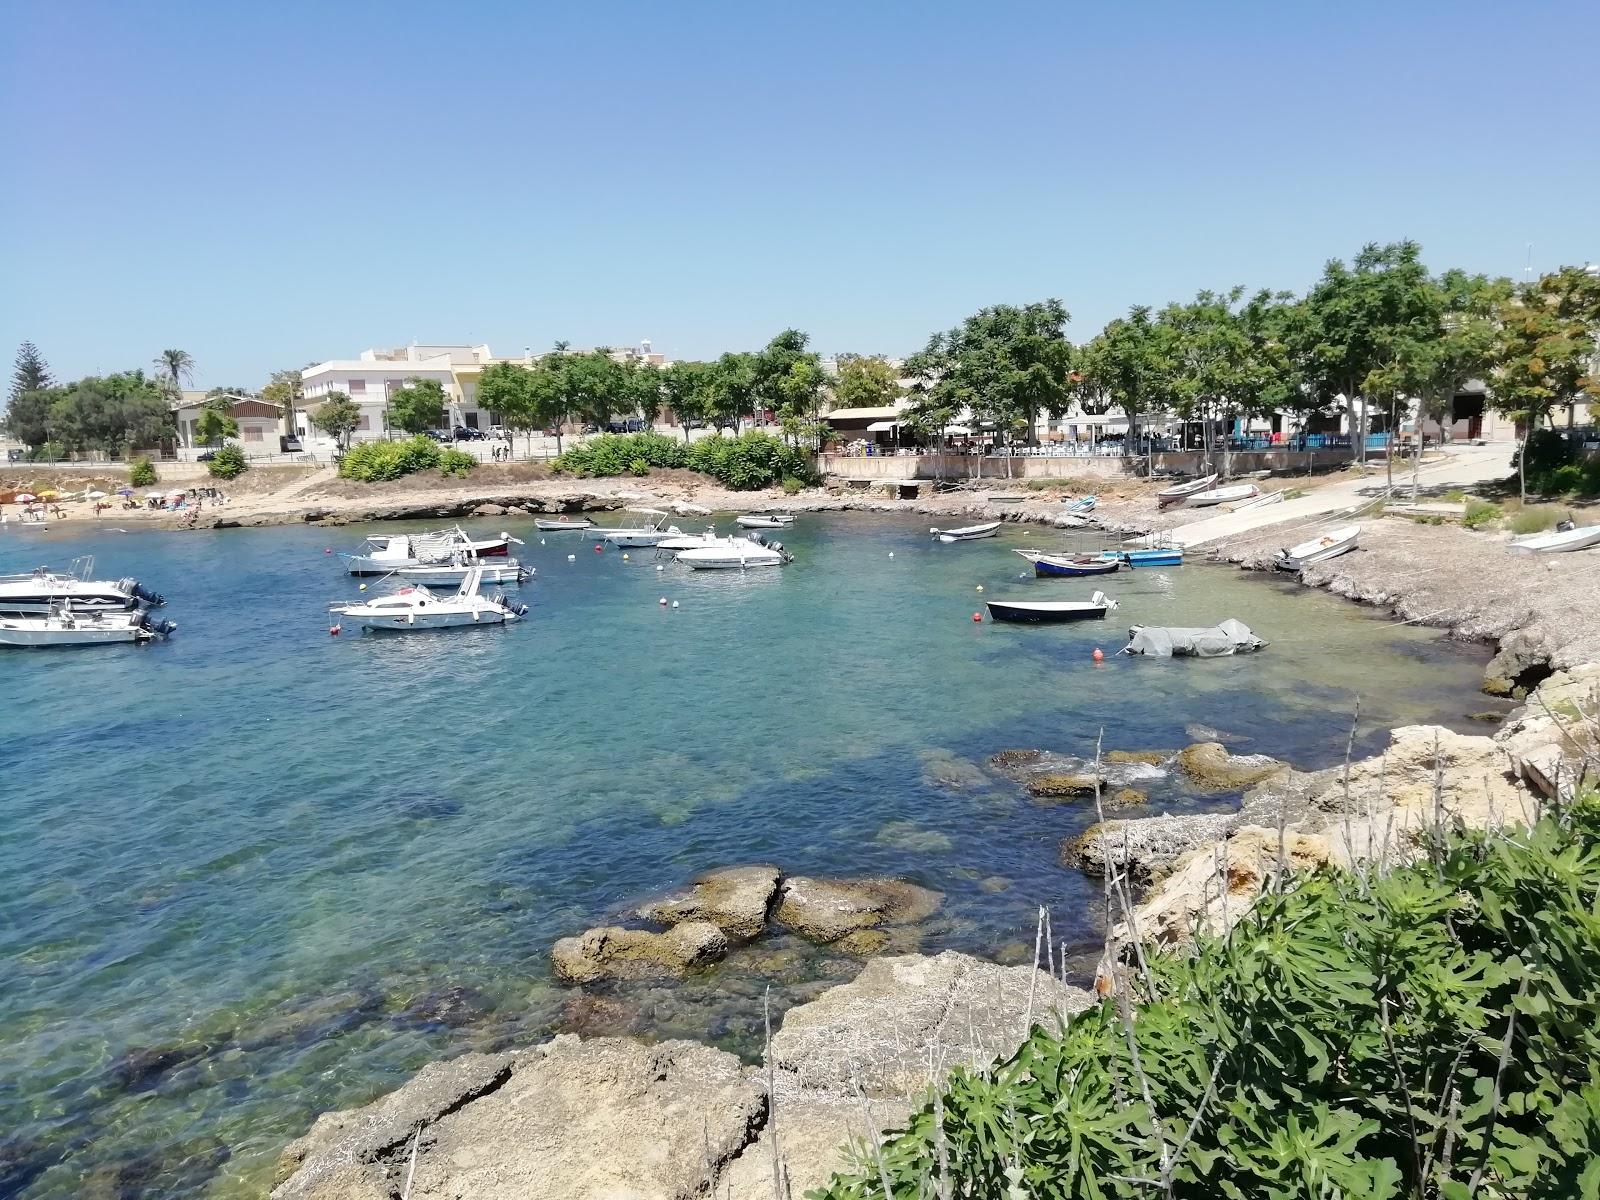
[
  {"x": 140, "y": 1067},
  {"x": 589, "y": 1015},
  {"x": 1204, "y": 733},
  {"x": 949, "y": 772},
  {"x": 1060, "y": 785},
  {"x": 908, "y": 836},
  {"x": 1155, "y": 758},
  {"x": 612, "y": 952},
  {"x": 445, "y": 1008},
  {"x": 1210, "y": 766},
  {"x": 316, "y": 1018},
  {"x": 1125, "y": 798},
  {"x": 825, "y": 910},
  {"x": 734, "y": 899},
  {"x": 1008, "y": 759}
]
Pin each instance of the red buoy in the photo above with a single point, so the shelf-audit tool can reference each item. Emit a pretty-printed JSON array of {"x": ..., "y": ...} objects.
[
  {"x": 1099, "y": 654},
  {"x": 977, "y": 616},
  {"x": 598, "y": 548}
]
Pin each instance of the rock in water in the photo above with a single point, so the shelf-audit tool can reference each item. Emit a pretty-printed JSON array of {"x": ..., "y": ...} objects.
[
  {"x": 447, "y": 1008},
  {"x": 734, "y": 899},
  {"x": 1145, "y": 847},
  {"x": 1210, "y": 766},
  {"x": 825, "y": 910},
  {"x": 1051, "y": 787},
  {"x": 612, "y": 952},
  {"x": 1154, "y": 758},
  {"x": 1005, "y": 759}
]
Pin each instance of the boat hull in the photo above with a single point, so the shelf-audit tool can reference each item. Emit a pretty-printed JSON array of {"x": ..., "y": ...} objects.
[
  {"x": 509, "y": 571},
  {"x": 640, "y": 537},
  {"x": 117, "y": 629},
  {"x": 1146, "y": 558},
  {"x": 1045, "y": 614},
  {"x": 1047, "y": 569},
  {"x": 1306, "y": 554},
  {"x": 426, "y": 622},
  {"x": 1559, "y": 543},
  {"x": 547, "y": 526},
  {"x": 971, "y": 533},
  {"x": 759, "y": 522}
]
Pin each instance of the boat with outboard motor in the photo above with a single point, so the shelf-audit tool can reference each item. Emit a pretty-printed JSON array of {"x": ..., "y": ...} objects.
[
  {"x": 64, "y": 625},
  {"x": 500, "y": 570},
  {"x": 752, "y": 551},
  {"x": 1567, "y": 538},
  {"x": 652, "y": 534},
  {"x": 764, "y": 520},
  {"x": 414, "y": 608},
  {"x": 1052, "y": 611},
  {"x": 968, "y": 533},
  {"x": 1318, "y": 549},
  {"x": 36, "y": 591},
  {"x": 391, "y": 551}
]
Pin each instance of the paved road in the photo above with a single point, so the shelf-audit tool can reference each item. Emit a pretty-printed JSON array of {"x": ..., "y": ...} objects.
[{"x": 1461, "y": 467}]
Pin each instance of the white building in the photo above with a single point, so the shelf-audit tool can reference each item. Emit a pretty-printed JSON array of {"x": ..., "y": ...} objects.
[{"x": 260, "y": 422}]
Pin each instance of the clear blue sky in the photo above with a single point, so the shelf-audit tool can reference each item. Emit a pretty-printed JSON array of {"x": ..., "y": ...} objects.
[{"x": 268, "y": 184}]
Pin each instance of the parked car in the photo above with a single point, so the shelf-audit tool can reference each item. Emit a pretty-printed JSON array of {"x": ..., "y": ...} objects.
[
  {"x": 499, "y": 433},
  {"x": 440, "y": 435},
  {"x": 464, "y": 434},
  {"x": 207, "y": 456}
]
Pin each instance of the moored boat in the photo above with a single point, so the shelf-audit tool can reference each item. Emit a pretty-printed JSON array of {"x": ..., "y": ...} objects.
[
  {"x": 1052, "y": 611},
  {"x": 1562, "y": 541},
  {"x": 37, "y": 591},
  {"x": 415, "y": 608},
  {"x": 562, "y": 525},
  {"x": 1070, "y": 565},
  {"x": 390, "y": 552},
  {"x": 1159, "y": 556},
  {"x": 968, "y": 533},
  {"x": 62, "y": 625},
  {"x": 652, "y": 534},
  {"x": 1318, "y": 549},
  {"x": 1179, "y": 492},
  {"x": 1218, "y": 641},
  {"x": 1264, "y": 499},
  {"x": 764, "y": 520},
  {"x": 736, "y": 553},
  {"x": 1082, "y": 505},
  {"x": 1231, "y": 494},
  {"x": 507, "y": 570}
]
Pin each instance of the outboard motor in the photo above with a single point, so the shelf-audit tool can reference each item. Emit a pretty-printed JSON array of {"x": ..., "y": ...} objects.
[
  {"x": 161, "y": 628},
  {"x": 756, "y": 536},
  {"x": 139, "y": 591},
  {"x": 1566, "y": 526}
]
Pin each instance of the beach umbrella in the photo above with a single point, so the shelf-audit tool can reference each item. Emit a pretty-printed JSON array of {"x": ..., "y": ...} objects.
[
  {"x": 49, "y": 494},
  {"x": 25, "y": 497},
  {"x": 176, "y": 494},
  {"x": 124, "y": 491},
  {"x": 97, "y": 494},
  {"x": 153, "y": 496}
]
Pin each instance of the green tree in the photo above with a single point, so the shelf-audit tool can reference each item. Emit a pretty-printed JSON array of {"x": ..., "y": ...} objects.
[
  {"x": 1354, "y": 321},
  {"x": 31, "y": 373},
  {"x": 109, "y": 413},
  {"x": 789, "y": 381},
  {"x": 28, "y": 416},
  {"x": 1004, "y": 365},
  {"x": 214, "y": 424},
  {"x": 594, "y": 386},
  {"x": 687, "y": 391},
  {"x": 865, "y": 382},
  {"x": 229, "y": 463},
  {"x": 286, "y": 389},
  {"x": 337, "y": 416},
  {"x": 174, "y": 368},
  {"x": 731, "y": 390},
  {"x": 1126, "y": 366},
  {"x": 646, "y": 391},
  {"x": 512, "y": 392},
  {"x": 417, "y": 407},
  {"x": 1545, "y": 355}
]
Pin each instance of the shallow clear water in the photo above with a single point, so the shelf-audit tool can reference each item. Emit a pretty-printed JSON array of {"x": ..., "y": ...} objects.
[{"x": 316, "y": 862}]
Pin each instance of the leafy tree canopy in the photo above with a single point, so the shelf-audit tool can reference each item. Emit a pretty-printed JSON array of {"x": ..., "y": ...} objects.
[
  {"x": 417, "y": 407},
  {"x": 337, "y": 416},
  {"x": 866, "y": 383}
]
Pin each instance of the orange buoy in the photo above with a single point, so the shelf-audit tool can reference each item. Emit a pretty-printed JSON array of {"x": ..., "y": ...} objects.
[
  {"x": 977, "y": 616},
  {"x": 1099, "y": 654}
]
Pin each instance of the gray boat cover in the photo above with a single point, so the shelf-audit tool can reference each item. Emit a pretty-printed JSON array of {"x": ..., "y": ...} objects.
[{"x": 1228, "y": 637}]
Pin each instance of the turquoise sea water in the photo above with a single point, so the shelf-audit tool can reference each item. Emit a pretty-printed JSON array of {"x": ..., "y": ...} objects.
[{"x": 257, "y": 872}]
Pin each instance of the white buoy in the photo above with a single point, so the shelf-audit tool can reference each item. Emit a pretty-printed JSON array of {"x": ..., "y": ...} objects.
[
  {"x": 624, "y": 558},
  {"x": 572, "y": 558},
  {"x": 659, "y": 567},
  {"x": 980, "y": 587},
  {"x": 891, "y": 554},
  {"x": 674, "y": 604},
  {"x": 541, "y": 541},
  {"x": 663, "y": 600}
]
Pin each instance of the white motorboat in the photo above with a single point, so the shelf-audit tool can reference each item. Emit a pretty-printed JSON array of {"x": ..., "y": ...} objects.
[
  {"x": 1231, "y": 494},
  {"x": 737, "y": 553},
  {"x": 1318, "y": 549},
  {"x": 652, "y": 534},
  {"x": 563, "y": 525},
  {"x": 500, "y": 570},
  {"x": 391, "y": 552},
  {"x": 36, "y": 592},
  {"x": 1179, "y": 492},
  {"x": 1562, "y": 541},
  {"x": 764, "y": 520},
  {"x": 968, "y": 533},
  {"x": 1036, "y": 612},
  {"x": 693, "y": 541},
  {"x": 414, "y": 608},
  {"x": 62, "y": 625}
]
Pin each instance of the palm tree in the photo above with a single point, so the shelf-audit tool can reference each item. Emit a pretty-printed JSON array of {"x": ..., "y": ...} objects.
[{"x": 177, "y": 366}]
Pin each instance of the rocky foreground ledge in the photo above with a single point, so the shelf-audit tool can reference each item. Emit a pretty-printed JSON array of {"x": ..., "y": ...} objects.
[{"x": 619, "y": 1118}]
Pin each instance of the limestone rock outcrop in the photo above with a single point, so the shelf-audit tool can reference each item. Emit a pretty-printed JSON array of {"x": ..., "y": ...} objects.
[
  {"x": 825, "y": 910},
  {"x": 734, "y": 899},
  {"x": 611, "y": 952}
]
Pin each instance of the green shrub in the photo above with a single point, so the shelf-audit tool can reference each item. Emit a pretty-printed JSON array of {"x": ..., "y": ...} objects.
[
  {"x": 1343, "y": 1040},
  {"x": 793, "y": 486},
  {"x": 1480, "y": 513},
  {"x": 1455, "y": 496},
  {"x": 376, "y": 462},
  {"x": 750, "y": 461},
  {"x": 48, "y": 452},
  {"x": 1428, "y": 519},
  {"x": 1534, "y": 520},
  {"x": 456, "y": 462},
  {"x": 638, "y": 466},
  {"x": 229, "y": 463},
  {"x": 142, "y": 472}
]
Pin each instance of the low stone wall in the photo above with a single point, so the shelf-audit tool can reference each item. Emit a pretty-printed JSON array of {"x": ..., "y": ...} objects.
[{"x": 956, "y": 467}]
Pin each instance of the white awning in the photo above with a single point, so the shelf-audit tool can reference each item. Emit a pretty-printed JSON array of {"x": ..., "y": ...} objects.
[
  {"x": 882, "y": 426},
  {"x": 958, "y": 431}
]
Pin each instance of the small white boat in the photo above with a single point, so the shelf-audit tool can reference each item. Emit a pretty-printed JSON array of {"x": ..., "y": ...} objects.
[
  {"x": 1182, "y": 491},
  {"x": 64, "y": 626},
  {"x": 693, "y": 541},
  {"x": 1318, "y": 549},
  {"x": 969, "y": 533},
  {"x": 764, "y": 520},
  {"x": 1562, "y": 541},
  {"x": 1052, "y": 611},
  {"x": 737, "y": 553},
  {"x": 414, "y": 608},
  {"x": 563, "y": 525},
  {"x": 500, "y": 570},
  {"x": 652, "y": 534},
  {"x": 1264, "y": 499},
  {"x": 391, "y": 552},
  {"x": 1231, "y": 494}
]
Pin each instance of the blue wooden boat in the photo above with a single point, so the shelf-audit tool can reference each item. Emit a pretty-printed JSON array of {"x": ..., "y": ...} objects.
[
  {"x": 1084, "y": 504},
  {"x": 1071, "y": 565},
  {"x": 1166, "y": 556}
]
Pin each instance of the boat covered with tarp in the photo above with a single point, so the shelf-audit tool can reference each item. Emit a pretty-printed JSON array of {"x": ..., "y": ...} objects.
[{"x": 1219, "y": 641}]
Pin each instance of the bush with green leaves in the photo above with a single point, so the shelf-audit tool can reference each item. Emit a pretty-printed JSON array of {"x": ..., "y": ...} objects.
[
  {"x": 228, "y": 463},
  {"x": 1480, "y": 513},
  {"x": 1433, "y": 1032},
  {"x": 457, "y": 463},
  {"x": 751, "y": 461},
  {"x": 376, "y": 462},
  {"x": 616, "y": 454},
  {"x": 793, "y": 486},
  {"x": 142, "y": 472}
]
